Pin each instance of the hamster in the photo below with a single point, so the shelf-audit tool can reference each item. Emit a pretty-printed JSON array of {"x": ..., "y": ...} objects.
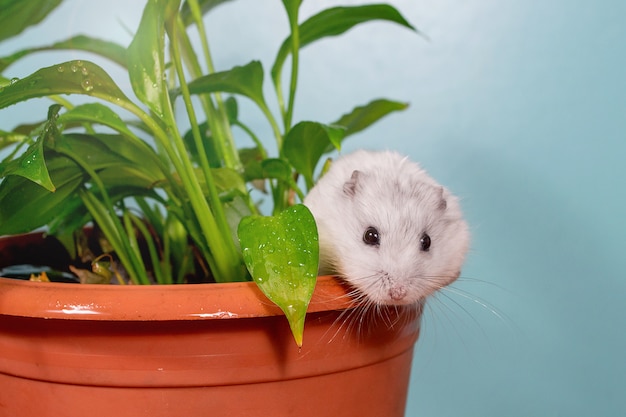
[{"x": 387, "y": 228}]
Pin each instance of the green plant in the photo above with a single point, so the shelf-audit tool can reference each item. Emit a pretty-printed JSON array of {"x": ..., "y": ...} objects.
[{"x": 177, "y": 193}]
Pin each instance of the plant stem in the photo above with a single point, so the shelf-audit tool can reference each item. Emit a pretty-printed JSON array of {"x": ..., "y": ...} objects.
[
  {"x": 182, "y": 165},
  {"x": 212, "y": 220},
  {"x": 104, "y": 213},
  {"x": 295, "y": 48},
  {"x": 227, "y": 143}
]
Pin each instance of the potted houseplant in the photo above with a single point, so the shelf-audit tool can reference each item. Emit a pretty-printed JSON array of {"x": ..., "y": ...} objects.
[{"x": 170, "y": 206}]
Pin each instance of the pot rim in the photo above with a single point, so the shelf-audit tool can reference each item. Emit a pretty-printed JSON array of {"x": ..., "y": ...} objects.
[{"x": 155, "y": 302}]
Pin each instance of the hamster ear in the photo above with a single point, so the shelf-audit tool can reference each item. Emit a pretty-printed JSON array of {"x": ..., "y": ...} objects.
[{"x": 350, "y": 187}]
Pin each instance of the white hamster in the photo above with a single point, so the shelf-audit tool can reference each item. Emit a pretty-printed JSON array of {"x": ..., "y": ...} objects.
[{"x": 387, "y": 228}]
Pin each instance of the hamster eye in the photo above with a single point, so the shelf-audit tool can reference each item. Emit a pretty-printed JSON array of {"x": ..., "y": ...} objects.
[
  {"x": 425, "y": 242},
  {"x": 371, "y": 236}
]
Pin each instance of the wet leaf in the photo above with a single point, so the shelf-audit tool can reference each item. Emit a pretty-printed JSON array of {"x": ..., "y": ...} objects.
[
  {"x": 146, "y": 61},
  {"x": 25, "y": 206},
  {"x": 73, "y": 77},
  {"x": 282, "y": 255},
  {"x": 31, "y": 164}
]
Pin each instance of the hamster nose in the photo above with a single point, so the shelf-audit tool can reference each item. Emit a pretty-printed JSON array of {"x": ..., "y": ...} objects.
[{"x": 397, "y": 293}]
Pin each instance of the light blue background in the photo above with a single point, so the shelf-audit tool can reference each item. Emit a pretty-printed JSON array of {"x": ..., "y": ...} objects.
[{"x": 519, "y": 107}]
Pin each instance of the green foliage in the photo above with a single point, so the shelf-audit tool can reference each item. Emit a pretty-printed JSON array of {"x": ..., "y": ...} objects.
[
  {"x": 174, "y": 204},
  {"x": 282, "y": 255},
  {"x": 18, "y": 15}
]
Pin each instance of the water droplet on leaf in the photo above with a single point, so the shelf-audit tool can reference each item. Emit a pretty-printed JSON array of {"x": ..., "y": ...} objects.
[
  {"x": 87, "y": 84},
  {"x": 61, "y": 68},
  {"x": 84, "y": 71},
  {"x": 14, "y": 80}
]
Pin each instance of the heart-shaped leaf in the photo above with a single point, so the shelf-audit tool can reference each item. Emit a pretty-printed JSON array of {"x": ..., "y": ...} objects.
[{"x": 282, "y": 255}]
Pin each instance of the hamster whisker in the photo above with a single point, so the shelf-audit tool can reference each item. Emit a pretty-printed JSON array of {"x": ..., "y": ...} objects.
[
  {"x": 482, "y": 303},
  {"x": 442, "y": 293}
]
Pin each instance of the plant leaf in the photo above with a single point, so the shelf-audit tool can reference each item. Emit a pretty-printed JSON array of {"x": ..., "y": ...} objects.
[
  {"x": 25, "y": 206},
  {"x": 362, "y": 117},
  {"x": 118, "y": 161},
  {"x": 246, "y": 80},
  {"x": 232, "y": 109},
  {"x": 146, "y": 62},
  {"x": 205, "y": 7},
  {"x": 282, "y": 255},
  {"x": 17, "y": 15},
  {"x": 276, "y": 168},
  {"x": 305, "y": 144},
  {"x": 95, "y": 113},
  {"x": 10, "y": 138},
  {"x": 110, "y": 50},
  {"x": 209, "y": 145},
  {"x": 335, "y": 21},
  {"x": 73, "y": 77},
  {"x": 31, "y": 164}
]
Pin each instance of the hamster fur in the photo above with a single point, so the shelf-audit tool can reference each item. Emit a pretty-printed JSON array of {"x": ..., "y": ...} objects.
[{"x": 387, "y": 228}]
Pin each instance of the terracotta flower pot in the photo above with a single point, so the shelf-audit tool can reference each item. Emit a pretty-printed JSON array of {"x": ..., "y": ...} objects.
[{"x": 194, "y": 350}]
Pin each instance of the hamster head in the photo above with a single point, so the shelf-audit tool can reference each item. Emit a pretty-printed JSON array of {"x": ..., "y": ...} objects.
[{"x": 387, "y": 228}]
